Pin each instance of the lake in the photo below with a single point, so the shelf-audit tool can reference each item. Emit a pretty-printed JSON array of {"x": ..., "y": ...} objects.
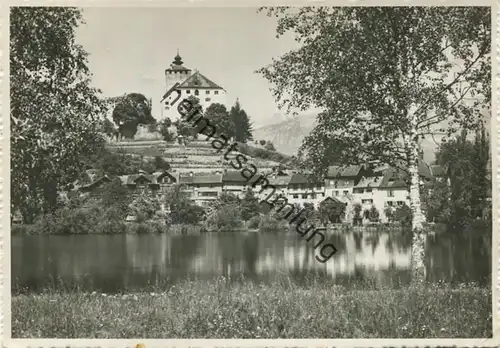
[{"x": 116, "y": 263}]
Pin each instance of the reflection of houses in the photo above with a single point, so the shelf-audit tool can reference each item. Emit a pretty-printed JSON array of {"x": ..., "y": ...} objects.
[{"x": 305, "y": 188}]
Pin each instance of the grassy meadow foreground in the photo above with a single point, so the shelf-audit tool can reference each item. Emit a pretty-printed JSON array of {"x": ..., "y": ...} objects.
[{"x": 224, "y": 309}]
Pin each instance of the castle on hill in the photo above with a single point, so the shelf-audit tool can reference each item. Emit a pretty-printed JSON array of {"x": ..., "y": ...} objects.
[{"x": 191, "y": 83}]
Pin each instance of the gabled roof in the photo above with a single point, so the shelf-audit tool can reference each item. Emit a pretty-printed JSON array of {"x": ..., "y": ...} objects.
[
  {"x": 207, "y": 179},
  {"x": 158, "y": 175},
  {"x": 278, "y": 180},
  {"x": 131, "y": 180},
  {"x": 344, "y": 171},
  {"x": 370, "y": 181},
  {"x": 300, "y": 178},
  {"x": 393, "y": 179},
  {"x": 233, "y": 177},
  {"x": 197, "y": 80}
]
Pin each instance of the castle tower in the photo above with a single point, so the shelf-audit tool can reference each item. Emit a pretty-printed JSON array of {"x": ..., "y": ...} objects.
[
  {"x": 191, "y": 84},
  {"x": 176, "y": 73}
]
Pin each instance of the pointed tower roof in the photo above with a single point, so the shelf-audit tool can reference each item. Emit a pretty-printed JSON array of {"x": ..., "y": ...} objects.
[{"x": 177, "y": 63}]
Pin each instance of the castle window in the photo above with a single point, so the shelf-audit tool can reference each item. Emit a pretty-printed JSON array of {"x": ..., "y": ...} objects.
[
  {"x": 188, "y": 91},
  {"x": 216, "y": 92},
  {"x": 207, "y": 99},
  {"x": 207, "y": 92},
  {"x": 196, "y": 92}
]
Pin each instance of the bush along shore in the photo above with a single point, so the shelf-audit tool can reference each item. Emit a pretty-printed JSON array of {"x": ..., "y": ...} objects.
[
  {"x": 225, "y": 309},
  {"x": 108, "y": 212}
]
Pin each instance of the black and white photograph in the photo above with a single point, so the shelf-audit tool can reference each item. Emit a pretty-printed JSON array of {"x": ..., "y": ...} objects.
[{"x": 250, "y": 172}]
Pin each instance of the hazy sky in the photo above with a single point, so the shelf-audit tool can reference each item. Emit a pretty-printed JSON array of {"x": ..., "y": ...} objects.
[{"x": 130, "y": 48}]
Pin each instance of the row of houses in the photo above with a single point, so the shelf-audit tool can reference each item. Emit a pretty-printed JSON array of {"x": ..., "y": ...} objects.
[{"x": 370, "y": 186}]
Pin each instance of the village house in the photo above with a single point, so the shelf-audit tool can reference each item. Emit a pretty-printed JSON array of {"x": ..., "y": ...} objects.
[
  {"x": 234, "y": 183},
  {"x": 340, "y": 180},
  {"x": 202, "y": 189},
  {"x": 278, "y": 182},
  {"x": 305, "y": 188},
  {"x": 143, "y": 183},
  {"x": 91, "y": 183}
]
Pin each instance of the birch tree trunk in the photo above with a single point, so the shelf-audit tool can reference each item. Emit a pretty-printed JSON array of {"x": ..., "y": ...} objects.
[{"x": 418, "y": 218}]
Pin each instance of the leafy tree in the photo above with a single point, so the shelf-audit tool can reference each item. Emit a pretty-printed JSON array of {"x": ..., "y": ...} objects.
[
  {"x": 164, "y": 128},
  {"x": 186, "y": 128},
  {"x": 395, "y": 76},
  {"x": 262, "y": 142},
  {"x": 182, "y": 211},
  {"x": 249, "y": 205},
  {"x": 160, "y": 164},
  {"x": 114, "y": 194},
  {"x": 145, "y": 207},
  {"x": 437, "y": 199},
  {"x": 403, "y": 215},
  {"x": 331, "y": 211},
  {"x": 243, "y": 127},
  {"x": 389, "y": 213},
  {"x": 466, "y": 166},
  {"x": 219, "y": 117},
  {"x": 225, "y": 219},
  {"x": 226, "y": 199},
  {"x": 54, "y": 112},
  {"x": 130, "y": 111},
  {"x": 373, "y": 214},
  {"x": 357, "y": 218},
  {"x": 108, "y": 128}
]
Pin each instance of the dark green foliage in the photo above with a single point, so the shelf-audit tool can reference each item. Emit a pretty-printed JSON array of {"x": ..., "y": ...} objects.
[
  {"x": 122, "y": 163},
  {"x": 130, "y": 111},
  {"x": 331, "y": 211},
  {"x": 270, "y": 223},
  {"x": 55, "y": 114},
  {"x": 182, "y": 211},
  {"x": 227, "y": 218},
  {"x": 373, "y": 214},
  {"x": 219, "y": 117},
  {"x": 403, "y": 215},
  {"x": 109, "y": 128},
  {"x": 160, "y": 164},
  {"x": 262, "y": 142},
  {"x": 357, "y": 218},
  {"x": 462, "y": 194},
  {"x": 249, "y": 206},
  {"x": 115, "y": 194},
  {"x": 241, "y": 121},
  {"x": 163, "y": 127}
]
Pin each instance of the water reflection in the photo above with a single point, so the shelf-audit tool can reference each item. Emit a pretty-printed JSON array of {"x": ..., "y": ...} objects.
[{"x": 132, "y": 262}]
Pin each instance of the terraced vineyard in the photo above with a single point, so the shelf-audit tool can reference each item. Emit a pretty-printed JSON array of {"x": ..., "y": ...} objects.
[{"x": 197, "y": 156}]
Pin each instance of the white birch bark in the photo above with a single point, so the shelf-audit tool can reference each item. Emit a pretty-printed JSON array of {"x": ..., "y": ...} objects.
[{"x": 418, "y": 218}]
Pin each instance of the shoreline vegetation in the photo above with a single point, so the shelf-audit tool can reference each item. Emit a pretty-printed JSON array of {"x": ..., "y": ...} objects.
[
  {"x": 263, "y": 225},
  {"x": 221, "y": 308},
  {"x": 158, "y": 227}
]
